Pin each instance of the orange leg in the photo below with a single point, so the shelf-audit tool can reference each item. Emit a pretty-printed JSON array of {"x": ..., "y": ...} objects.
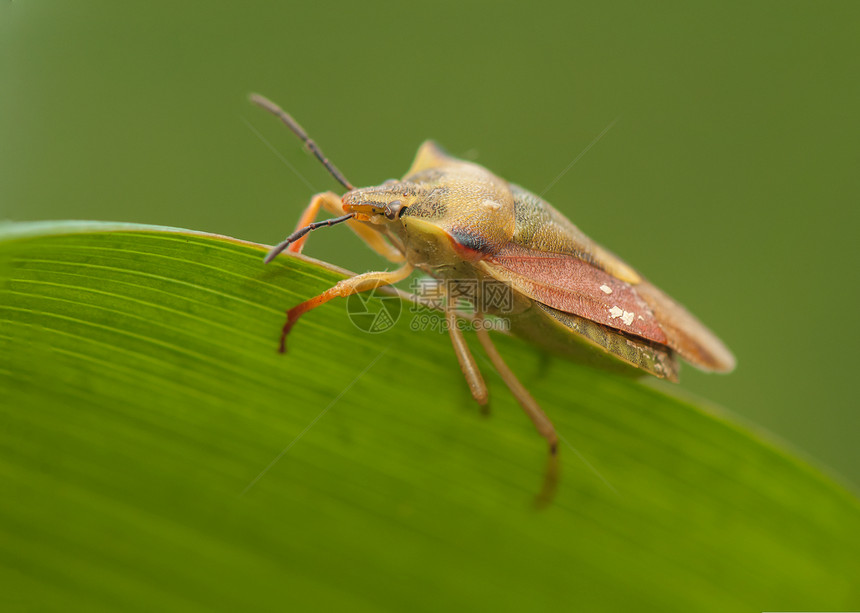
[
  {"x": 308, "y": 216},
  {"x": 353, "y": 285},
  {"x": 530, "y": 406},
  {"x": 331, "y": 202}
]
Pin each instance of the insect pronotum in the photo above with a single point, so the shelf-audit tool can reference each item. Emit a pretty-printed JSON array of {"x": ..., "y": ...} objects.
[{"x": 456, "y": 221}]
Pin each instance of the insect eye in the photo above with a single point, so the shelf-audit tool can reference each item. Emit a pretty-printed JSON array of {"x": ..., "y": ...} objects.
[{"x": 393, "y": 210}]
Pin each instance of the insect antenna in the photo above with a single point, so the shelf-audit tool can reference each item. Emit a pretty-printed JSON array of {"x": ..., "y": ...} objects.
[
  {"x": 267, "y": 105},
  {"x": 301, "y": 232}
]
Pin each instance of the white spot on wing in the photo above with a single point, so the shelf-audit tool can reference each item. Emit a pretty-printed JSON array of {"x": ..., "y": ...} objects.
[
  {"x": 626, "y": 316},
  {"x": 606, "y": 289},
  {"x": 492, "y": 205}
]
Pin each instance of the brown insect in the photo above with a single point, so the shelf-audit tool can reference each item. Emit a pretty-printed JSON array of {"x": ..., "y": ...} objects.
[{"x": 458, "y": 222}]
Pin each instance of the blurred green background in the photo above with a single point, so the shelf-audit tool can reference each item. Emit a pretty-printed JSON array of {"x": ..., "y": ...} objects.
[{"x": 730, "y": 178}]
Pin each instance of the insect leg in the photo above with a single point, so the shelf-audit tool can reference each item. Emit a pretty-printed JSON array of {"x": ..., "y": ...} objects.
[
  {"x": 359, "y": 283},
  {"x": 308, "y": 216},
  {"x": 375, "y": 241},
  {"x": 464, "y": 356},
  {"x": 530, "y": 406},
  {"x": 331, "y": 202}
]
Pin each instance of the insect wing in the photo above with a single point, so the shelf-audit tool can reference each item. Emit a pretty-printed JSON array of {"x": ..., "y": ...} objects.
[
  {"x": 554, "y": 330},
  {"x": 571, "y": 285}
]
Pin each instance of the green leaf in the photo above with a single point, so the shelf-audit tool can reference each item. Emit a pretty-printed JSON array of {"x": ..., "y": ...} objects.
[{"x": 159, "y": 454}]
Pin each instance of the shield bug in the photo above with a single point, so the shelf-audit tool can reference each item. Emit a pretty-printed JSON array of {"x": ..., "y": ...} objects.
[{"x": 459, "y": 223}]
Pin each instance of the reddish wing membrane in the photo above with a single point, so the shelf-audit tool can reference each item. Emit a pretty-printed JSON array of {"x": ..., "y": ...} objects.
[
  {"x": 687, "y": 335},
  {"x": 572, "y": 285}
]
